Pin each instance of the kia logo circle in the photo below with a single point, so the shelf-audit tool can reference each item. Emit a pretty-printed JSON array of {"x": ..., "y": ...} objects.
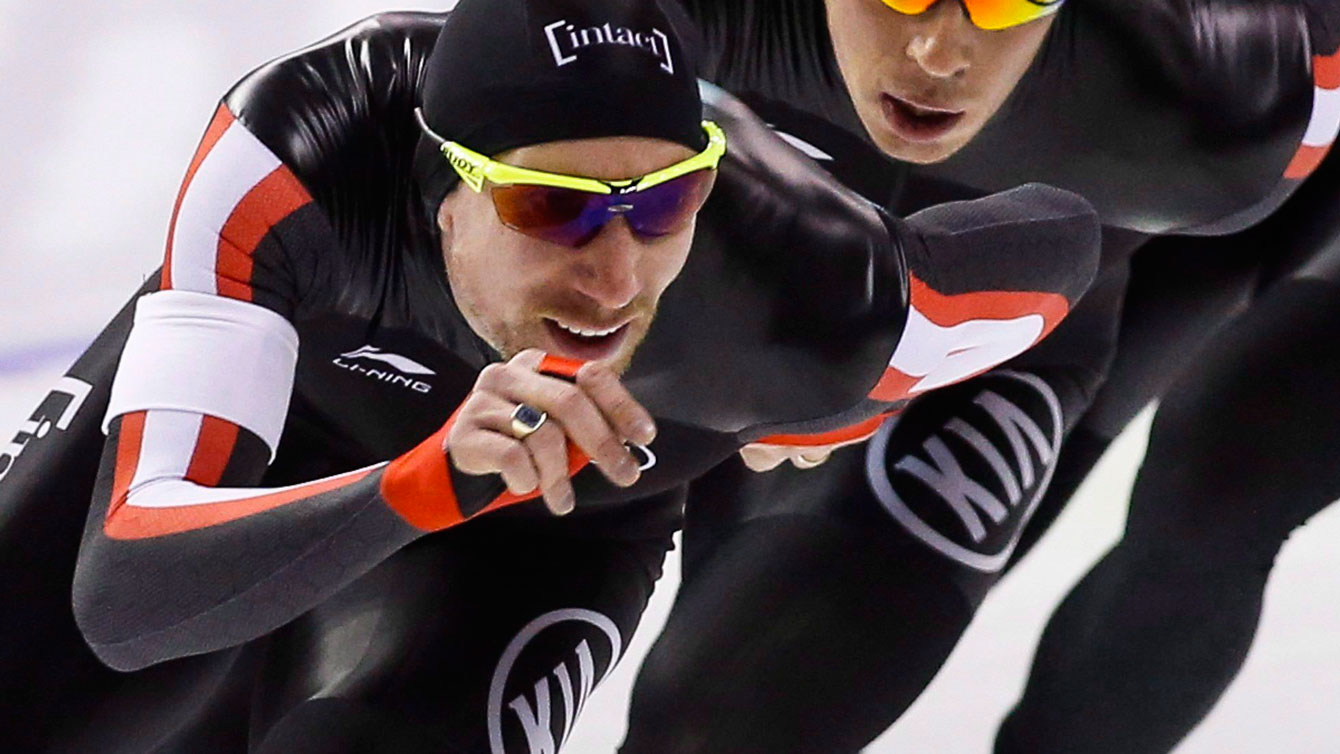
[{"x": 542, "y": 706}]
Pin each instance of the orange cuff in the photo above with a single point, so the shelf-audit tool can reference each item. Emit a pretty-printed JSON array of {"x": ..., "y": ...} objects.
[{"x": 417, "y": 485}]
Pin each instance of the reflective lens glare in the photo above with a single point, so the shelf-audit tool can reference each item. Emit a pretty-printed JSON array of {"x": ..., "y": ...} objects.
[
  {"x": 573, "y": 218},
  {"x": 668, "y": 207},
  {"x": 910, "y": 7},
  {"x": 557, "y": 215},
  {"x": 988, "y": 14}
]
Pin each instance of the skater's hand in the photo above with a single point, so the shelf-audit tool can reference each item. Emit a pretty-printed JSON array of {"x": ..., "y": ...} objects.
[
  {"x": 762, "y": 457},
  {"x": 596, "y": 414}
]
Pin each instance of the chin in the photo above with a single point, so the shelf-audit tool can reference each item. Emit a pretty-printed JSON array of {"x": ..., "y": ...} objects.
[
  {"x": 924, "y": 153},
  {"x": 620, "y": 362},
  {"x": 920, "y": 155}
]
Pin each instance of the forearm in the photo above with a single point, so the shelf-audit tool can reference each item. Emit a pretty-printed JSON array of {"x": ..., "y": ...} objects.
[
  {"x": 170, "y": 568},
  {"x": 145, "y": 601}
]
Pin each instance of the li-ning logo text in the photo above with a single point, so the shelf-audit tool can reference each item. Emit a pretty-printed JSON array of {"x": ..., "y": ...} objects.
[
  {"x": 398, "y": 363},
  {"x": 567, "y": 41}
]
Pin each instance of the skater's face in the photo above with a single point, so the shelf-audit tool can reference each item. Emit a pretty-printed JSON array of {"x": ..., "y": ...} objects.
[
  {"x": 593, "y": 303},
  {"x": 924, "y": 85}
]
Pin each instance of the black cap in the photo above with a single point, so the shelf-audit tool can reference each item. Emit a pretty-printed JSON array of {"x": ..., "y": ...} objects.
[{"x": 510, "y": 73}]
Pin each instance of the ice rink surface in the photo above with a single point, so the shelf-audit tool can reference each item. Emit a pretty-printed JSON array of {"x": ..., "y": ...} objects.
[{"x": 101, "y": 105}]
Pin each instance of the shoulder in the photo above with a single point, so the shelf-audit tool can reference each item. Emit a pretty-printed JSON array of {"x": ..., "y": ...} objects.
[
  {"x": 335, "y": 118},
  {"x": 1169, "y": 115},
  {"x": 311, "y": 101},
  {"x": 1245, "y": 88},
  {"x": 773, "y": 49}
]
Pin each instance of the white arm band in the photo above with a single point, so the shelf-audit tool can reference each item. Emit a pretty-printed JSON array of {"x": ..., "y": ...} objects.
[{"x": 209, "y": 355}]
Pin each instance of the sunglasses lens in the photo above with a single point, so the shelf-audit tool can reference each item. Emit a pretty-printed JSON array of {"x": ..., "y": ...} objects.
[
  {"x": 572, "y": 218},
  {"x": 1002, "y": 14},
  {"x": 558, "y": 215},
  {"x": 668, "y": 207},
  {"x": 910, "y": 7},
  {"x": 988, "y": 14}
]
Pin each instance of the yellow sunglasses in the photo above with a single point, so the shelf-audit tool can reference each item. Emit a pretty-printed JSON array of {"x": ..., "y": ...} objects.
[
  {"x": 988, "y": 14},
  {"x": 571, "y": 210}
]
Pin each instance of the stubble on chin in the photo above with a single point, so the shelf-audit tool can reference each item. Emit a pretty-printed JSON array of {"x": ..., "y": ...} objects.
[
  {"x": 624, "y": 359},
  {"x": 508, "y": 342}
]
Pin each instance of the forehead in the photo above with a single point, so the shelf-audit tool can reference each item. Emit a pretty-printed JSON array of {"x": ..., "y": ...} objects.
[{"x": 610, "y": 157}]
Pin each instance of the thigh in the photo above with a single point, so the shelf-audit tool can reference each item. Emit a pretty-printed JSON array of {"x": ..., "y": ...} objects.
[
  {"x": 963, "y": 472},
  {"x": 48, "y": 676},
  {"x": 816, "y": 605},
  {"x": 1246, "y": 448},
  {"x": 1181, "y": 292},
  {"x": 794, "y": 632},
  {"x": 486, "y": 638}
]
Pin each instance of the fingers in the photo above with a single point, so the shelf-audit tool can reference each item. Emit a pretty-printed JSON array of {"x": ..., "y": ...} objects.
[
  {"x": 760, "y": 458},
  {"x": 810, "y": 460},
  {"x": 501, "y": 455},
  {"x": 619, "y": 407},
  {"x": 575, "y": 410},
  {"x": 548, "y": 449},
  {"x": 529, "y": 359},
  {"x": 481, "y": 443},
  {"x": 478, "y": 445},
  {"x": 597, "y": 414}
]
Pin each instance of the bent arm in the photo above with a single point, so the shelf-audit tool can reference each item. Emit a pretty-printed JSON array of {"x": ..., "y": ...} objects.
[
  {"x": 987, "y": 280},
  {"x": 182, "y": 552}
]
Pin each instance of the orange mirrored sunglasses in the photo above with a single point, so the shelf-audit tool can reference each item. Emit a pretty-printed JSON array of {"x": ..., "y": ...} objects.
[{"x": 988, "y": 14}]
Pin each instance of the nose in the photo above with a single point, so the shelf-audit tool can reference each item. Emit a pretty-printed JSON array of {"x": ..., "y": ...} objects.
[
  {"x": 942, "y": 45},
  {"x": 607, "y": 267}
]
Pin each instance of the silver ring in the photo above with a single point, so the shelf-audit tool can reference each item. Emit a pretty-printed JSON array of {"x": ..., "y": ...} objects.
[{"x": 527, "y": 420}]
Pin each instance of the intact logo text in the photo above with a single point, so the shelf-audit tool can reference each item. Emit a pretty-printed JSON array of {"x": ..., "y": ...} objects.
[{"x": 567, "y": 41}]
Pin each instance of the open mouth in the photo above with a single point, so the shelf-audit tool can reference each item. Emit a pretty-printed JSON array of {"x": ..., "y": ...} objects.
[
  {"x": 577, "y": 341},
  {"x": 917, "y": 122}
]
